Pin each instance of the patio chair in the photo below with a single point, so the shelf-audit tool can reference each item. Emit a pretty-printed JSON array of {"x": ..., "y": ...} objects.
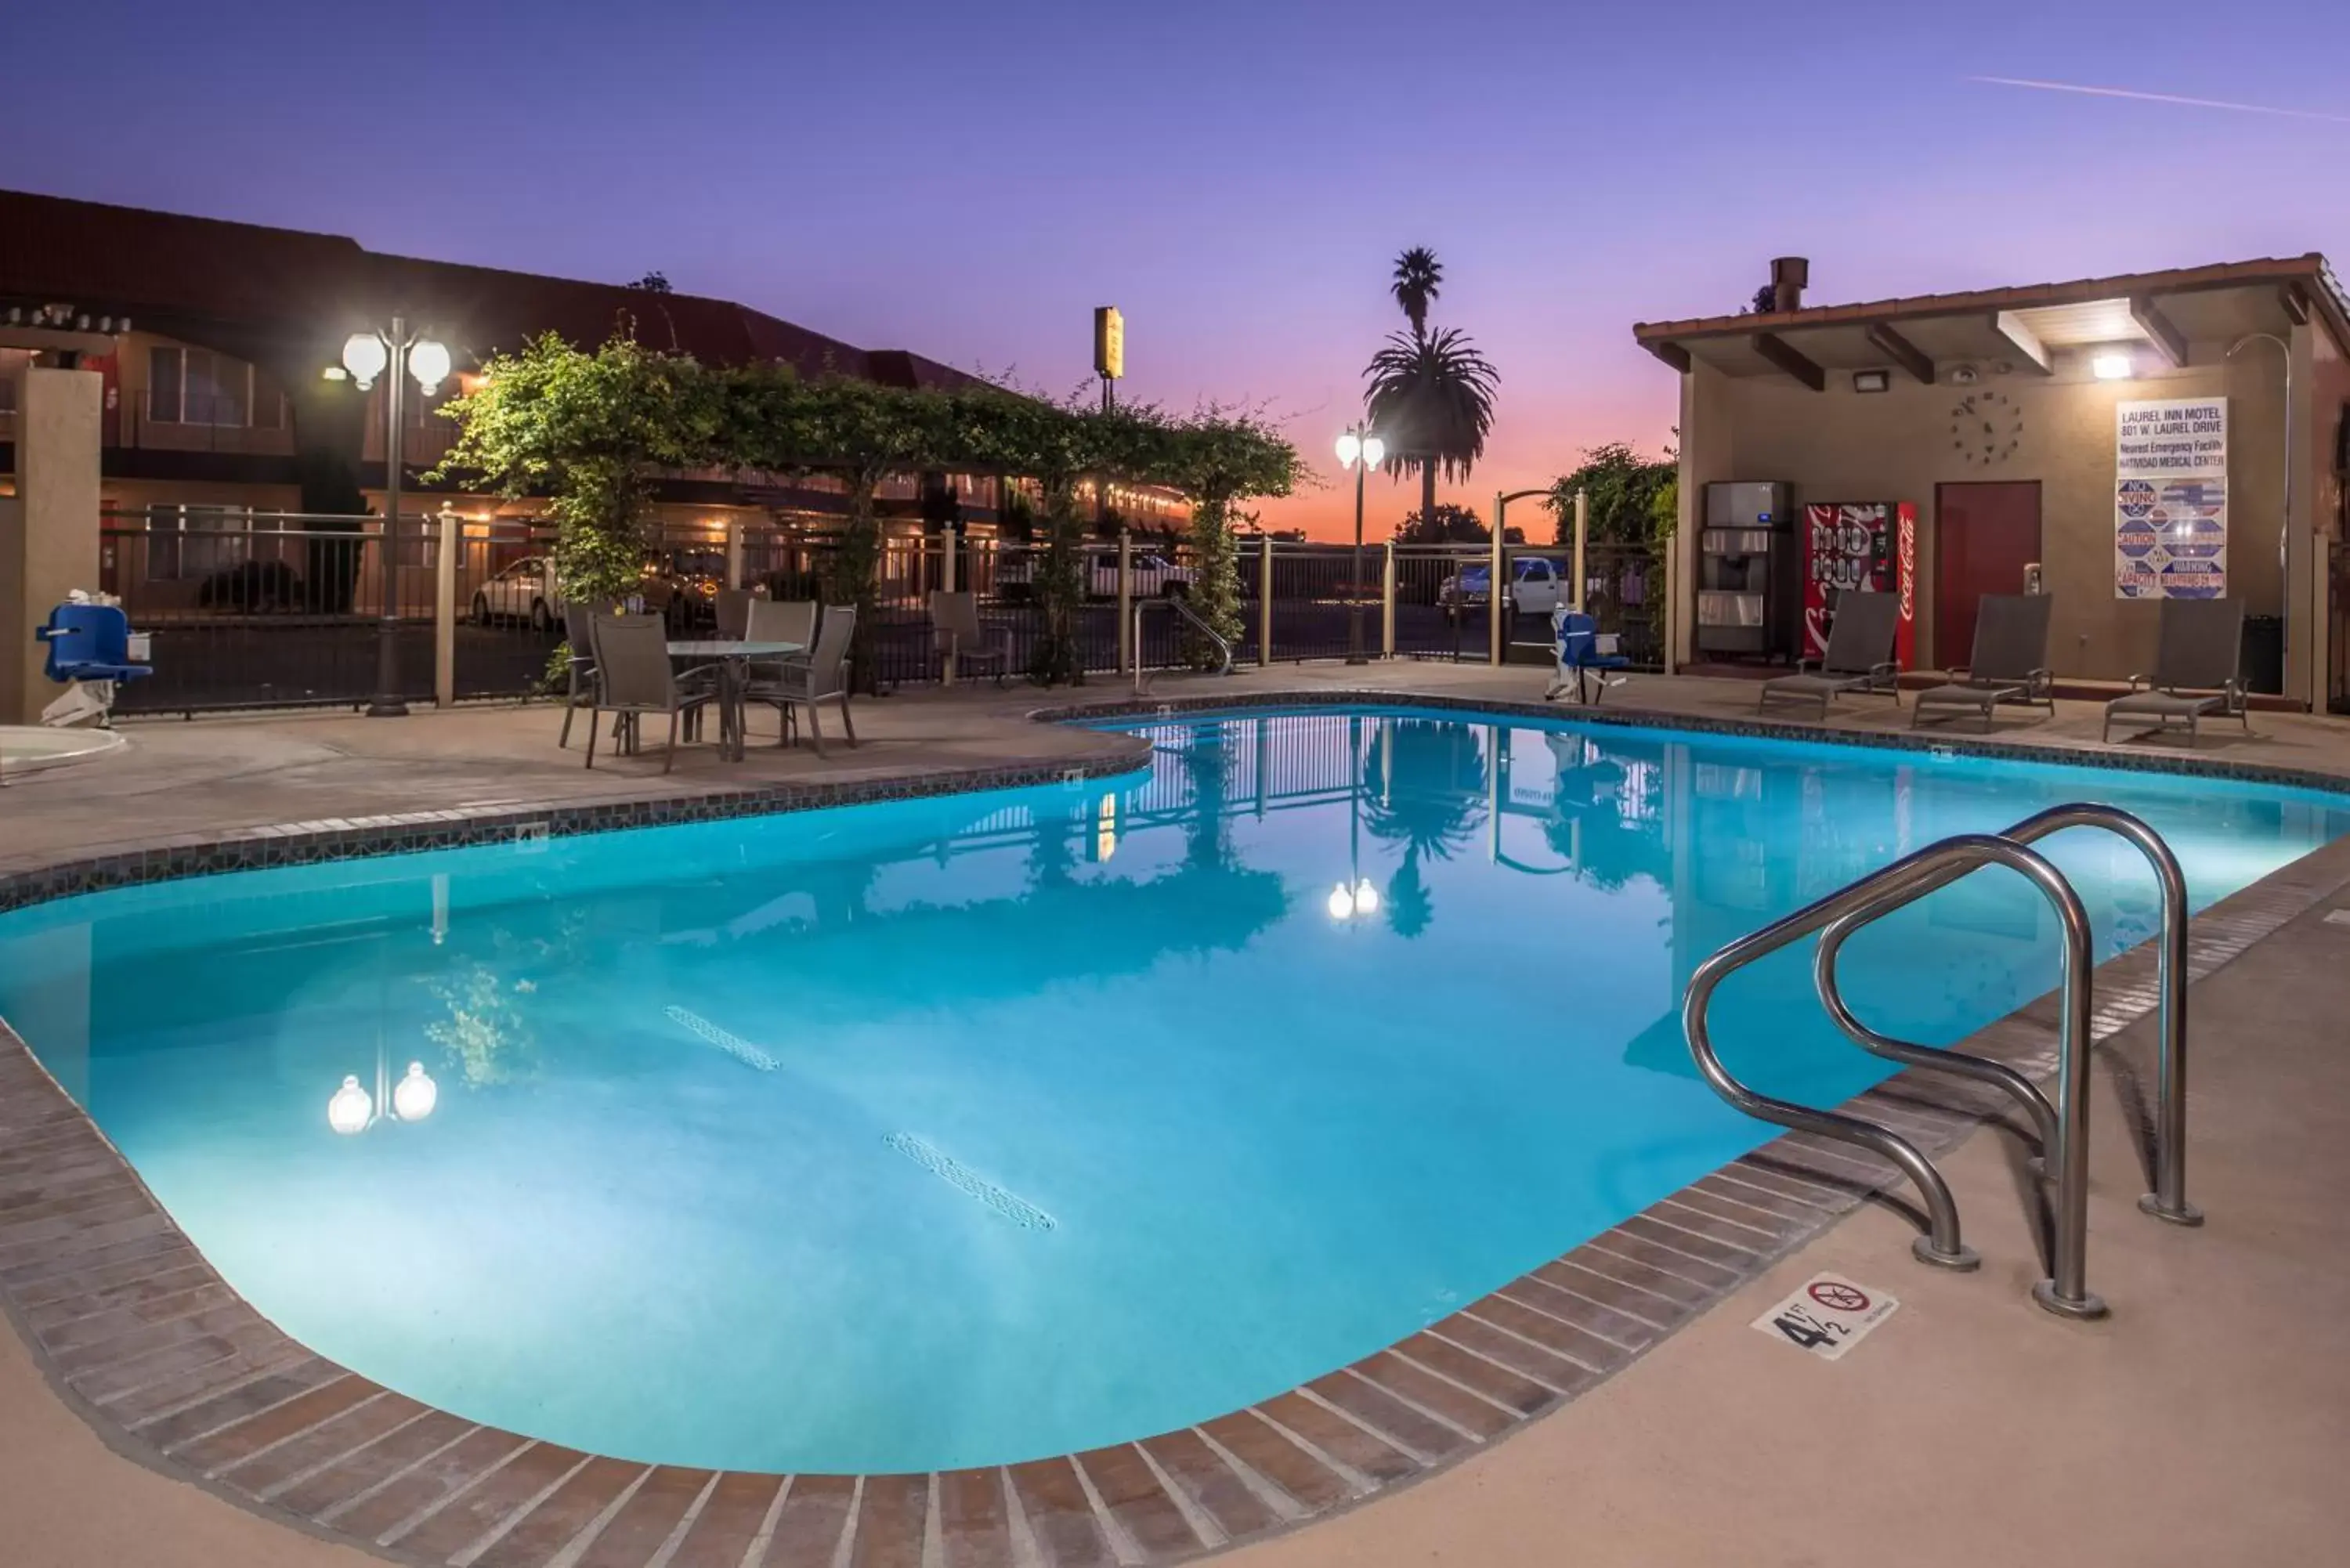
[
  {"x": 1585, "y": 655},
  {"x": 2010, "y": 663},
  {"x": 733, "y": 611},
  {"x": 635, "y": 676},
  {"x": 822, "y": 677},
  {"x": 780, "y": 620},
  {"x": 957, "y": 634},
  {"x": 2198, "y": 669},
  {"x": 579, "y": 664},
  {"x": 1859, "y": 656}
]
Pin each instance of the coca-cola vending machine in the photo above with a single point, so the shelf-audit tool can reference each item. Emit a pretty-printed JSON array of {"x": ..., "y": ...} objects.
[{"x": 1865, "y": 547}]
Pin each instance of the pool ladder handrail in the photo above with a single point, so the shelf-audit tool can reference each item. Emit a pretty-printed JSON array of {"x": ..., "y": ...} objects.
[
  {"x": 2063, "y": 1127},
  {"x": 2167, "y": 1201},
  {"x": 1181, "y": 606}
]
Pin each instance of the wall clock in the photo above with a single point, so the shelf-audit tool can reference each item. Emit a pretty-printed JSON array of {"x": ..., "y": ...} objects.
[{"x": 1986, "y": 429}]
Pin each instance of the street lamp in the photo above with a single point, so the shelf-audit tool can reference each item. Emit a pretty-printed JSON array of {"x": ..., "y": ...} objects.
[
  {"x": 1361, "y": 451},
  {"x": 366, "y": 356},
  {"x": 2284, "y": 530}
]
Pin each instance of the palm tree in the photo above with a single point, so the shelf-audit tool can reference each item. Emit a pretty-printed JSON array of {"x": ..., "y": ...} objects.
[
  {"x": 1431, "y": 397},
  {"x": 1419, "y": 276}
]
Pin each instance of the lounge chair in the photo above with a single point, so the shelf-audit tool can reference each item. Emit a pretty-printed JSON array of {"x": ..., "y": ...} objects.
[
  {"x": 2198, "y": 669},
  {"x": 634, "y": 677},
  {"x": 1859, "y": 656},
  {"x": 956, "y": 634},
  {"x": 2010, "y": 663},
  {"x": 1584, "y": 656},
  {"x": 822, "y": 677}
]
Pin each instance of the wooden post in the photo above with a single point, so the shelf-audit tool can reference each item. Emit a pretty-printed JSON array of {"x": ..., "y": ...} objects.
[
  {"x": 1498, "y": 591},
  {"x": 1581, "y": 544},
  {"x": 444, "y": 608},
  {"x": 1264, "y": 602},
  {"x": 1387, "y": 603},
  {"x": 1130, "y": 656}
]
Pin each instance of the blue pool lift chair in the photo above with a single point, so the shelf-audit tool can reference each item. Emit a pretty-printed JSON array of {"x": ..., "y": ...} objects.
[
  {"x": 91, "y": 644},
  {"x": 1586, "y": 655}
]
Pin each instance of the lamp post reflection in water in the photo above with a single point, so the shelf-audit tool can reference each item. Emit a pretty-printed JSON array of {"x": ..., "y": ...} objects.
[
  {"x": 351, "y": 1110},
  {"x": 1355, "y": 899}
]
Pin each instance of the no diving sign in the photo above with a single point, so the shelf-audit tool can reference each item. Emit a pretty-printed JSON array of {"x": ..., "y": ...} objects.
[{"x": 1827, "y": 1316}]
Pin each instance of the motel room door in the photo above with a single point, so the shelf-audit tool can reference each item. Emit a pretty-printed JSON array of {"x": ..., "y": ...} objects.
[{"x": 1984, "y": 535}]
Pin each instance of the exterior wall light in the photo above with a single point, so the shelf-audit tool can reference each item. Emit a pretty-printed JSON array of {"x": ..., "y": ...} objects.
[
  {"x": 1872, "y": 382},
  {"x": 2111, "y": 367}
]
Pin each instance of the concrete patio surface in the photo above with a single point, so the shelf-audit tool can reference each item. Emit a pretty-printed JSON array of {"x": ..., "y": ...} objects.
[{"x": 2204, "y": 1422}]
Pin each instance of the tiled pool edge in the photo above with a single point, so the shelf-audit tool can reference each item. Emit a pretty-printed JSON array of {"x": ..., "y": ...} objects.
[
  {"x": 174, "y": 1370},
  {"x": 2014, "y": 746}
]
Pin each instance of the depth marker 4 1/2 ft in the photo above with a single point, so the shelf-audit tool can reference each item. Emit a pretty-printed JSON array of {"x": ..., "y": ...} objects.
[{"x": 1827, "y": 1316}]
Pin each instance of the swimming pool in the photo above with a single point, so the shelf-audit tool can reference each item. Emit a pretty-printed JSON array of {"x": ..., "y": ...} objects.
[{"x": 958, "y": 1131}]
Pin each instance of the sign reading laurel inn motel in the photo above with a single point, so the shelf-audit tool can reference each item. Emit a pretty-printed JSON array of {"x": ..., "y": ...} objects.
[{"x": 2171, "y": 499}]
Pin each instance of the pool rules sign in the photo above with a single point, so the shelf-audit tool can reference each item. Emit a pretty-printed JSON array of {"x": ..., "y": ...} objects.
[{"x": 2171, "y": 499}]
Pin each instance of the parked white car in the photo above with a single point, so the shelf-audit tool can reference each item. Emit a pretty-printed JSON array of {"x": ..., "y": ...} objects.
[
  {"x": 525, "y": 591},
  {"x": 1154, "y": 575},
  {"x": 1538, "y": 587}
]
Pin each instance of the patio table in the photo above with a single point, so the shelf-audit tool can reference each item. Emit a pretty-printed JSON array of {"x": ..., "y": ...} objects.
[{"x": 733, "y": 661}]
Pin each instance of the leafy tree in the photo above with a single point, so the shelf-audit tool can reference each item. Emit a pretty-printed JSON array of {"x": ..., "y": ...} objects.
[
  {"x": 652, "y": 283},
  {"x": 1221, "y": 457},
  {"x": 1448, "y": 524},
  {"x": 592, "y": 430},
  {"x": 1625, "y": 491},
  {"x": 589, "y": 432},
  {"x": 1432, "y": 399}
]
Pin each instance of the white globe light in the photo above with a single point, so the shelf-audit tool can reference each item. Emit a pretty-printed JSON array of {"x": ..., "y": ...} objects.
[
  {"x": 1350, "y": 447},
  {"x": 349, "y": 1111},
  {"x": 1367, "y": 898},
  {"x": 1341, "y": 902},
  {"x": 364, "y": 355},
  {"x": 1375, "y": 451},
  {"x": 414, "y": 1097},
  {"x": 427, "y": 361}
]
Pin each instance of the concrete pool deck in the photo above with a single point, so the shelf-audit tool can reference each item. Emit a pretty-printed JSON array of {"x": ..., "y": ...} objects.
[{"x": 2201, "y": 1424}]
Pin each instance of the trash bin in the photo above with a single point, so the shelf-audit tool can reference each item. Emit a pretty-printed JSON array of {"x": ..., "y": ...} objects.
[{"x": 2263, "y": 653}]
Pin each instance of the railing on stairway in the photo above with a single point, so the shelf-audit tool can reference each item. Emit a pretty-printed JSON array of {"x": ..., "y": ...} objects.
[
  {"x": 2063, "y": 1125},
  {"x": 1182, "y": 608}
]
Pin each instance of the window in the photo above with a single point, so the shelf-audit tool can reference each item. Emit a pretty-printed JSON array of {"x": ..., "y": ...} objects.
[{"x": 198, "y": 386}]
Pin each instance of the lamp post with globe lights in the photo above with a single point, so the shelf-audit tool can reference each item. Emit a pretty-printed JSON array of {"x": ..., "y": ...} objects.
[
  {"x": 1353, "y": 898},
  {"x": 366, "y": 356},
  {"x": 1361, "y": 451}
]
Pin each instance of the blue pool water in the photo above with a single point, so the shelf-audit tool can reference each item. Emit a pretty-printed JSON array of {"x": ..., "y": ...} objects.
[{"x": 966, "y": 1130}]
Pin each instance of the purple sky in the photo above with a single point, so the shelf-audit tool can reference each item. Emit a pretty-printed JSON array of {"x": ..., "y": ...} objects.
[{"x": 970, "y": 180}]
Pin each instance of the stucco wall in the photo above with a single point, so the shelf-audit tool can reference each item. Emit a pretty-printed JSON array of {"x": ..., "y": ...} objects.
[{"x": 1898, "y": 445}]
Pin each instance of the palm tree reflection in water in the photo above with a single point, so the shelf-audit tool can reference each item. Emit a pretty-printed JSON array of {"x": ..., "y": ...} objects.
[{"x": 1424, "y": 788}]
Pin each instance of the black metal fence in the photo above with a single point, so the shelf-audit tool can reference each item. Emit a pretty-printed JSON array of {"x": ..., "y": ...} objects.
[{"x": 247, "y": 610}]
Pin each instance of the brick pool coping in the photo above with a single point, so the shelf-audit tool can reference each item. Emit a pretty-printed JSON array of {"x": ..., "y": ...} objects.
[{"x": 173, "y": 1368}]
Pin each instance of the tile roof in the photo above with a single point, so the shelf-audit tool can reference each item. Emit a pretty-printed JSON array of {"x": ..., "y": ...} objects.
[
  {"x": 2309, "y": 270},
  {"x": 178, "y": 273}
]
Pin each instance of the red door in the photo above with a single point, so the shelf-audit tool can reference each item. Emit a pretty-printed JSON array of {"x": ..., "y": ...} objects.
[{"x": 1984, "y": 534}]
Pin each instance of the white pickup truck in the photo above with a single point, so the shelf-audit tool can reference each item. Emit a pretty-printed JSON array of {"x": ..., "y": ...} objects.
[{"x": 1538, "y": 587}]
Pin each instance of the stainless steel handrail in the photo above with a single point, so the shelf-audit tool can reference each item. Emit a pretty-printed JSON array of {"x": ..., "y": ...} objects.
[
  {"x": 1181, "y": 607},
  {"x": 2168, "y": 1198},
  {"x": 2066, "y": 1291}
]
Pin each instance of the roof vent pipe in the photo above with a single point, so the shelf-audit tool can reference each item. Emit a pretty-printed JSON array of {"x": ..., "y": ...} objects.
[{"x": 1788, "y": 277}]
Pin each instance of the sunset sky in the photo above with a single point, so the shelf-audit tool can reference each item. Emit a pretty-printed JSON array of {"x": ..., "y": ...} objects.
[{"x": 969, "y": 180}]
